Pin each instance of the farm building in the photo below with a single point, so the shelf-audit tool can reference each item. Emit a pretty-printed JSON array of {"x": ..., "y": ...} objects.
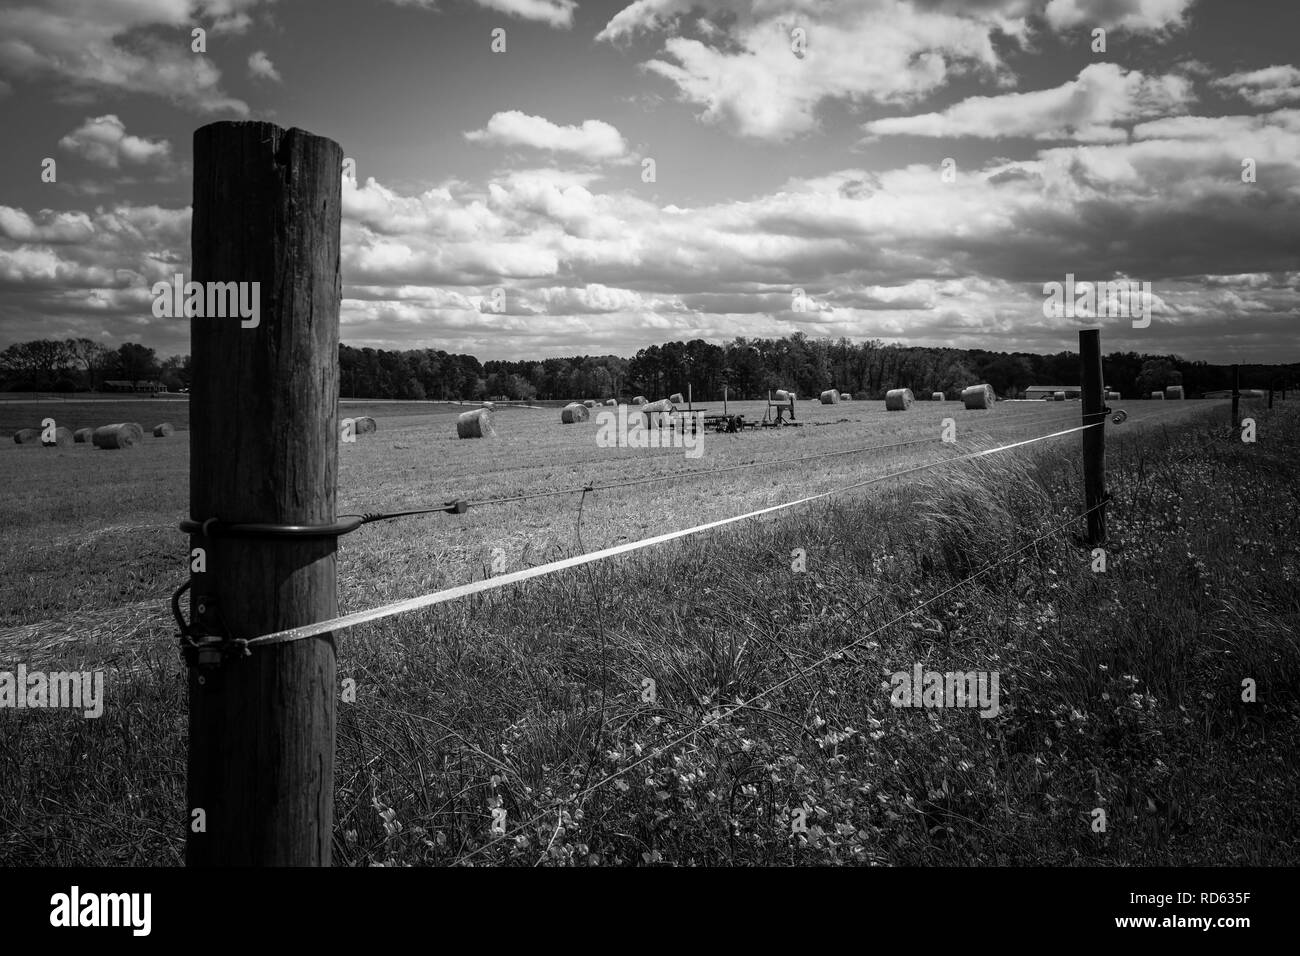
[
  {"x": 118, "y": 385},
  {"x": 1047, "y": 391}
]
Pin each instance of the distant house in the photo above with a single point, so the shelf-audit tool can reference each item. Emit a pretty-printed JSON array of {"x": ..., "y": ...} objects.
[
  {"x": 119, "y": 385},
  {"x": 1047, "y": 391}
]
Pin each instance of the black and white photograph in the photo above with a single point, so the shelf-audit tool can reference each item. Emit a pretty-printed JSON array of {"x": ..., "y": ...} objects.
[{"x": 762, "y": 436}]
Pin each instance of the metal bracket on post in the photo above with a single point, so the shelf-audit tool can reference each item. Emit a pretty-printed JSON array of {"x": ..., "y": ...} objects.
[{"x": 202, "y": 645}]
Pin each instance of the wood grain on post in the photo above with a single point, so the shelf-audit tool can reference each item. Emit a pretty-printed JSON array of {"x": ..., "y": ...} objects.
[
  {"x": 264, "y": 448},
  {"x": 1094, "y": 439}
]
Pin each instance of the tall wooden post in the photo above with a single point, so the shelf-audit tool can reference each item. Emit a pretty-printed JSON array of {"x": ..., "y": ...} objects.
[
  {"x": 1094, "y": 439},
  {"x": 264, "y": 448},
  {"x": 1236, "y": 397}
]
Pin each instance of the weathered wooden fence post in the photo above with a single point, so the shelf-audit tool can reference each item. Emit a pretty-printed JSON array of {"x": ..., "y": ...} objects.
[
  {"x": 1236, "y": 397},
  {"x": 264, "y": 448},
  {"x": 1094, "y": 439}
]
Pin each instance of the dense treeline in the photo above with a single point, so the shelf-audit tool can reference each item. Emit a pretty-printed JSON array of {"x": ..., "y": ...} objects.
[
  {"x": 78, "y": 365},
  {"x": 748, "y": 367}
]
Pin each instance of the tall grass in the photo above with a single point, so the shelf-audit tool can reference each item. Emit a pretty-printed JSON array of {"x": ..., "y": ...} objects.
[{"x": 1120, "y": 691}]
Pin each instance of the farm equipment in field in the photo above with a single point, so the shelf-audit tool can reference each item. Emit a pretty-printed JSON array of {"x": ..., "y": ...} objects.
[
  {"x": 727, "y": 424},
  {"x": 778, "y": 408}
]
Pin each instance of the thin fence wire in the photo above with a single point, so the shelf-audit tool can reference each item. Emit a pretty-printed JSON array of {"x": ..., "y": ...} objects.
[
  {"x": 741, "y": 705},
  {"x": 450, "y": 594}
]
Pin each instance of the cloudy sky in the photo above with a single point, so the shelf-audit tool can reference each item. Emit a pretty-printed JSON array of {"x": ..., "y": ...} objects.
[{"x": 632, "y": 173}]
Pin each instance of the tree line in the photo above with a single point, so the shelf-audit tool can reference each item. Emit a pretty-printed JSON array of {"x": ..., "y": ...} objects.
[
  {"x": 747, "y": 367},
  {"x": 79, "y": 365}
]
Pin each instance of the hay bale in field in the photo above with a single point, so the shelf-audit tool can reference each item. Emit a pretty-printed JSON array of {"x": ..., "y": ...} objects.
[
  {"x": 936, "y": 396},
  {"x": 899, "y": 399},
  {"x": 1112, "y": 396},
  {"x": 27, "y": 436},
  {"x": 639, "y": 400},
  {"x": 1158, "y": 395},
  {"x": 574, "y": 412},
  {"x": 589, "y": 403},
  {"x": 163, "y": 430},
  {"x": 364, "y": 426},
  {"x": 82, "y": 435},
  {"x": 846, "y": 396},
  {"x": 1058, "y": 396},
  {"x": 782, "y": 397},
  {"x": 677, "y": 398},
  {"x": 611, "y": 403},
  {"x": 830, "y": 397},
  {"x": 62, "y": 438},
  {"x": 663, "y": 405},
  {"x": 978, "y": 396},
  {"x": 654, "y": 413},
  {"x": 1174, "y": 392},
  {"x": 121, "y": 435},
  {"x": 475, "y": 424}
]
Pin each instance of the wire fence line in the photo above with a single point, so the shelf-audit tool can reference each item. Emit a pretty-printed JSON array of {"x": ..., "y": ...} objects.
[
  {"x": 675, "y": 475},
  {"x": 836, "y": 654},
  {"x": 719, "y": 715},
  {"x": 346, "y": 621}
]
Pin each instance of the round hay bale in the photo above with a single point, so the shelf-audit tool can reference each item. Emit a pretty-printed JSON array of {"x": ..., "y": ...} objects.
[
  {"x": 936, "y": 396},
  {"x": 1174, "y": 392},
  {"x": 639, "y": 400},
  {"x": 27, "y": 436},
  {"x": 677, "y": 398},
  {"x": 1058, "y": 396},
  {"x": 846, "y": 396},
  {"x": 830, "y": 397},
  {"x": 475, "y": 424},
  {"x": 574, "y": 412},
  {"x": 654, "y": 413},
  {"x": 364, "y": 426},
  {"x": 1158, "y": 395},
  {"x": 590, "y": 403},
  {"x": 121, "y": 435},
  {"x": 899, "y": 399},
  {"x": 163, "y": 430},
  {"x": 62, "y": 438},
  {"x": 82, "y": 435},
  {"x": 1112, "y": 396},
  {"x": 782, "y": 397},
  {"x": 978, "y": 396},
  {"x": 610, "y": 403}
]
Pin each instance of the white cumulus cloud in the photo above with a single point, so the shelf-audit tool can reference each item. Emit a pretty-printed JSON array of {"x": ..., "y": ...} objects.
[
  {"x": 1267, "y": 88},
  {"x": 592, "y": 140},
  {"x": 260, "y": 67},
  {"x": 104, "y": 141},
  {"x": 1089, "y": 109}
]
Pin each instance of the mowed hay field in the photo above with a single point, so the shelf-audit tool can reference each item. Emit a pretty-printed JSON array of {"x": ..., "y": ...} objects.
[
  {"x": 107, "y": 520},
  {"x": 1119, "y": 690}
]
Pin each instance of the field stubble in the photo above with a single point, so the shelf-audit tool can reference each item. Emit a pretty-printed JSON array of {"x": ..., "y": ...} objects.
[{"x": 1119, "y": 689}]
